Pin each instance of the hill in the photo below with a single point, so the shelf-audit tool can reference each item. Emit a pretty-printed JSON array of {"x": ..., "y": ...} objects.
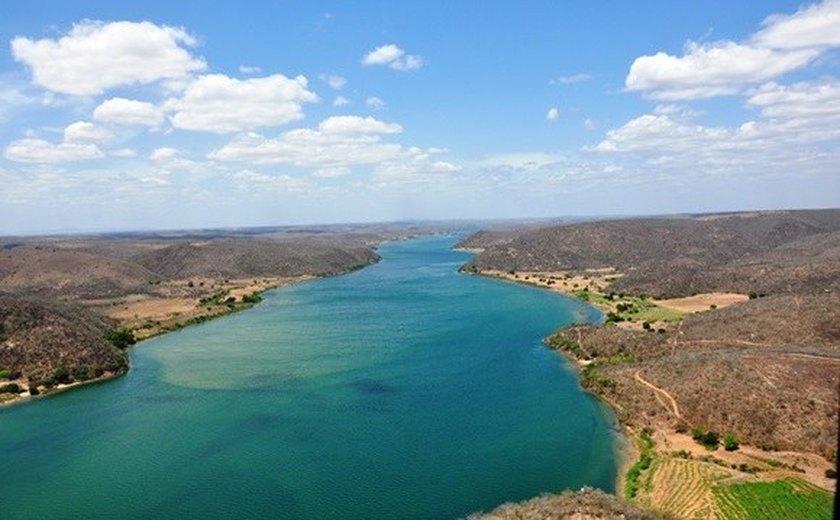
[
  {"x": 773, "y": 252},
  {"x": 47, "y": 345}
]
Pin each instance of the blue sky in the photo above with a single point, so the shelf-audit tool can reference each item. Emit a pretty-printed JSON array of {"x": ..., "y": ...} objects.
[{"x": 198, "y": 114}]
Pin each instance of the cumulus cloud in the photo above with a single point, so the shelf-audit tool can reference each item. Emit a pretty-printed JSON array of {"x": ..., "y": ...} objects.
[
  {"x": 553, "y": 114},
  {"x": 335, "y": 146},
  {"x": 797, "y": 129},
  {"x": 221, "y": 104},
  {"x": 40, "y": 151},
  {"x": 813, "y": 25},
  {"x": 392, "y": 56},
  {"x": 340, "y": 101},
  {"x": 81, "y": 141},
  {"x": 96, "y": 56},
  {"x": 171, "y": 159},
  {"x": 375, "y": 103},
  {"x": 799, "y": 101},
  {"x": 123, "y": 111},
  {"x": 85, "y": 132},
  {"x": 357, "y": 125},
  {"x": 784, "y": 44}
]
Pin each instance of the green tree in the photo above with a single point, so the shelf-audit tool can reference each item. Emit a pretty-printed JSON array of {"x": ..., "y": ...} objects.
[
  {"x": 730, "y": 442},
  {"x": 121, "y": 338}
]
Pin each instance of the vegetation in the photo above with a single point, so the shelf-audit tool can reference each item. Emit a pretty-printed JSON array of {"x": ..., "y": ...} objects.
[
  {"x": 709, "y": 439},
  {"x": 121, "y": 338},
  {"x": 730, "y": 442},
  {"x": 11, "y": 388},
  {"x": 252, "y": 298},
  {"x": 683, "y": 487},
  {"x": 631, "y": 484},
  {"x": 788, "y": 498}
]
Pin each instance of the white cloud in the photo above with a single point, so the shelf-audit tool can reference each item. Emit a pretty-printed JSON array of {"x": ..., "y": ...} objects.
[
  {"x": 249, "y": 69},
  {"x": 797, "y": 130},
  {"x": 375, "y": 103},
  {"x": 392, "y": 56},
  {"x": 40, "y": 151},
  {"x": 335, "y": 81},
  {"x": 249, "y": 180},
  {"x": 218, "y": 103},
  {"x": 95, "y": 56},
  {"x": 340, "y": 101},
  {"x": 798, "y": 101},
  {"x": 705, "y": 71},
  {"x": 816, "y": 25},
  {"x": 123, "y": 111},
  {"x": 124, "y": 153},
  {"x": 784, "y": 44},
  {"x": 85, "y": 132},
  {"x": 333, "y": 172},
  {"x": 171, "y": 159},
  {"x": 338, "y": 142},
  {"x": 348, "y": 125},
  {"x": 571, "y": 79},
  {"x": 590, "y": 124},
  {"x": 553, "y": 114}
]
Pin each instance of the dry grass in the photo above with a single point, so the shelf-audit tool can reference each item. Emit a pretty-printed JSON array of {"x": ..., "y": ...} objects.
[{"x": 702, "y": 302}]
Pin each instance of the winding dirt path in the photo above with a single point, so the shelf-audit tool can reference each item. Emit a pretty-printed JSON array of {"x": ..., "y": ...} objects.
[{"x": 660, "y": 392}]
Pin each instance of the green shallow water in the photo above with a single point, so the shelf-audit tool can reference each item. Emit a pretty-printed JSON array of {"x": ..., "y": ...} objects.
[{"x": 404, "y": 390}]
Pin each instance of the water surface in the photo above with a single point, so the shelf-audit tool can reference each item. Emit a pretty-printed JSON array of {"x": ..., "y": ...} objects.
[{"x": 404, "y": 390}]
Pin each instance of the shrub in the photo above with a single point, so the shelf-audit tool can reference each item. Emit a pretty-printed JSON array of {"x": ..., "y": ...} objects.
[
  {"x": 831, "y": 473},
  {"x": 11, "y": 388},
  {"x": 730, "y": 442},
  {"x": 5, "y": 374},
  {"x": 61, "y": 375},
  {"x": 121, "y": 338},
  {"x": 710, "y": 440}
]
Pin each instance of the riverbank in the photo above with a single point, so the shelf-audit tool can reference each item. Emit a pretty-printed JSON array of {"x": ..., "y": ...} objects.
[{"x": 674, "y": 461}]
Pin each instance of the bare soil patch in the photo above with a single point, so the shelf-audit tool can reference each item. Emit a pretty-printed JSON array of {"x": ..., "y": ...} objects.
[{"x": 703, "y": 302}]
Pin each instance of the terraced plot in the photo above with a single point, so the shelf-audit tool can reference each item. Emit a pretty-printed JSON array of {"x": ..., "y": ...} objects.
[
  {"x": 788, "y": 498},
  {"x": 684, "y": 487}
]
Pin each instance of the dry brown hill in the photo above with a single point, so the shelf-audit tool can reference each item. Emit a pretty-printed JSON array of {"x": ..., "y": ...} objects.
[
  {"x": 588, "y": 504},
  {"x": 55, "y": 343},
  {"x": 240, "y": 258},
  {"x": 769, "y": 252}
]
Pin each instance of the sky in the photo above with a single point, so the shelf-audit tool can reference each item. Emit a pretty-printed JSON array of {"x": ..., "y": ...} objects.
[{"x": 174, "y": 115}]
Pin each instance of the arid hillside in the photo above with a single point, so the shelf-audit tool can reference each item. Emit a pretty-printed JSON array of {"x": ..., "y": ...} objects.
[
  {"x": 766, "y": 253},
  {"x": 53, "y": 344},
  {"x": 589, "y": 504}
]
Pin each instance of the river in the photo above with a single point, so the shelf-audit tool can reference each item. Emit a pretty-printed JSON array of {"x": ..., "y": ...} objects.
[{"x": 403, "y": 390}]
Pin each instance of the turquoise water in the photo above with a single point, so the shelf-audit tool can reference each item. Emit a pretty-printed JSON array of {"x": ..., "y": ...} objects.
[{"x": 404, "y": 390}]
